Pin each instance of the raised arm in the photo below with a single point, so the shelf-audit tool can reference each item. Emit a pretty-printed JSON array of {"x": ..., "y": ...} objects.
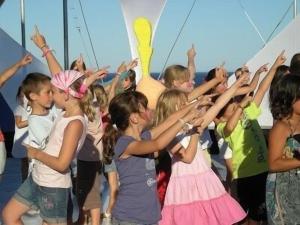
[
  {"x": 173, "y": 118},
  {"x": 213, "y": 111},
  {"x": 191, "y": 53},
  {"x": 233, "y": 120},
  {"x": 206, "y": 86},
  {"x": 39, "y": 40},
  {"x": 253, "y": 84},
  {"x": 61, "y": 163},
  {"x": 161, "y": 141},
  {"x": 266, "y": 82},
  {"x": 277, "y": 138},
  {"x": 9, "y": 72}
]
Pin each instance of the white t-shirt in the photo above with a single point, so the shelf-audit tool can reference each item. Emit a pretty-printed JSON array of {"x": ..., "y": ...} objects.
[
  {"x": 18, "y": 150},
  {"x": 39, "y": 127}
]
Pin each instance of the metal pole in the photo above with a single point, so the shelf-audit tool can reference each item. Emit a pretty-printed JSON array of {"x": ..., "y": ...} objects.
[
  {"x": 66, "y": 39},
  {"x": 295, "y": 8},
  {"x": 23, "y": 23}
]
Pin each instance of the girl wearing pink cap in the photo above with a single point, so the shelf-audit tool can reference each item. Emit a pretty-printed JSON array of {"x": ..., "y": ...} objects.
[{"x": 47, "y": 189}]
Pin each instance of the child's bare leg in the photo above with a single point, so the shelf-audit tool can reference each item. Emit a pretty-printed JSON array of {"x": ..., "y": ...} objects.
[{"x": 13, "y": 211}]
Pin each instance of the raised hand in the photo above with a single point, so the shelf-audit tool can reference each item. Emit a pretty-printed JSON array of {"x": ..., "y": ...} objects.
[
  {"x": 38, "y": 39},
  {"x": 191, "y": 53},
  {"x": 79, "y": 64},
  {"x": 132, "y": 64},
  {"x": 122, "y": 68},
  {"x": 280, "y": 60},
  {"x": 206, "y": 100},
  {"x": 246, "y": 100},
  {"x": 263, "y": 68},
  {"x": 27, "y": 59},
  {"x": 243, "y": 79}
]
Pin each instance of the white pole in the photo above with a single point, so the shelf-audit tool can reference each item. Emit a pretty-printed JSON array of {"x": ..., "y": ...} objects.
[
  {"x": 23, "y": 23},
  {"x": 295, "y": 8}
]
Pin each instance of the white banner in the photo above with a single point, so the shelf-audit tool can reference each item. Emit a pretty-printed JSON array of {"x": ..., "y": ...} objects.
[
  {"x": 288, "y": 40},
  {"x": 132, "y": 9}
]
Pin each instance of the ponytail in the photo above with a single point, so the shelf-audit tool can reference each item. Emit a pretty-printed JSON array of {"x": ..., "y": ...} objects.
[{"x": 110, "y": 138}]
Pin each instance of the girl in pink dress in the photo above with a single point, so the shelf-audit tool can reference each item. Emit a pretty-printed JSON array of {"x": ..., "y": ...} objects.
[{"x": 195, "y": 195}]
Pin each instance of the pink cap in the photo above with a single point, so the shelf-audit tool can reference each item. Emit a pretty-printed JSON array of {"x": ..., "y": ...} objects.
[{"x": 64, "y": 79}]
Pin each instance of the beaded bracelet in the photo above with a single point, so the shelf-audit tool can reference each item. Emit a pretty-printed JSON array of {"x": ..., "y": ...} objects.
[{"x": 47, "y": 51}]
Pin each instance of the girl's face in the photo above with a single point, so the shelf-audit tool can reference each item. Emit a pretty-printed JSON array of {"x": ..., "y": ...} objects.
[
  {"x": 222, "y": 87},
  {"x": 184, "y": 85},
  {"x": 126, "y": 83},
  {"x": 146, "y": 115},
  {"x": 58, "y": 97}
]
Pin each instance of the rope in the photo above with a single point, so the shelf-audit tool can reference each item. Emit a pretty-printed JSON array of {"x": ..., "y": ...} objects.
[
  {"x": 251, "y": 22},
  {"x": 282, "y": 18},
  {"x": 170, "y": 52},
  {"x": 87, "y": 29}
]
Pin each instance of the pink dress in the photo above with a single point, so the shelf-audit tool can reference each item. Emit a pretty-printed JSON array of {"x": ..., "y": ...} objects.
[{"x": 195, "y": 195}]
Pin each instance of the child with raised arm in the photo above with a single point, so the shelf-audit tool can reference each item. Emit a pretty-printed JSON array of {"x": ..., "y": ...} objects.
[
  {"x": 47, "y": 188},
  {"x": 195, "y": 194},
  {"x": 137, "y": 201},
  {"x": 282, "y": 195},
  {"x": 5, "y": 76},
  {"x": 239, "y": 127}
]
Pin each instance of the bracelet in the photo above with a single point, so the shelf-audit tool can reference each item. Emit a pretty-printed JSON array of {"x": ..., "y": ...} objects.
[
  {"x": 185, "y": 125},
  {"x": 47, "y": 51}
]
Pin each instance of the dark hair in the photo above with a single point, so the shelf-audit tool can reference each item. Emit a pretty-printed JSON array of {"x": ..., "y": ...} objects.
[
  {"x": 120, "y": 109},
  {"x": 19, "y": 92},
  {"x": 295, "y": 64},
  {"x": 73, "y": 65},
  {"x": 210, "y": 75},
  {"x": 280, "y": 72},
  {"x": 33, "y": 83},
  {"x": 284, "y": 96},
  {"x": 131, "y": 76}
]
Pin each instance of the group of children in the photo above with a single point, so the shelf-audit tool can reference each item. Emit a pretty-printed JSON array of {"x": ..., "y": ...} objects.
[{"x": 157, "y": 161}]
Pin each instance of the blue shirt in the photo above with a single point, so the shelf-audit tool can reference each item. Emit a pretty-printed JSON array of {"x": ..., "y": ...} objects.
[{"x": 137, "y": 199}]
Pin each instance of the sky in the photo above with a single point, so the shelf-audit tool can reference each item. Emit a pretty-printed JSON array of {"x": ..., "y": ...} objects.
[{"x": 219, "y": 29}]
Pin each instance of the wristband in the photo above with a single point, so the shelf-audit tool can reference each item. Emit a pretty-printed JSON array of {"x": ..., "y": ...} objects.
[
  {"x": 43, "y": 46},
  {"x": 47, "y": 51}
]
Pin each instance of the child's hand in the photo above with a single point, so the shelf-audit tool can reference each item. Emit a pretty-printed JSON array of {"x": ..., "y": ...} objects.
[
  {"x": 132, "y": 64},
  {"x": 38, "y": 39},
  {"x": 27, "y": 59},
  {"x": 280, "y": 60},
  {"x": 246, "y": 101},
  {"x": 122, "y": 68},
  {"x": 263, "y": 68},
  {"x": 99, "y": 74},
  {"x": 243, "y": 79},
  {"x": 191, "y": 53},
  {"x": 31, "y": 151},
  {"x": 206, "y": 100}
]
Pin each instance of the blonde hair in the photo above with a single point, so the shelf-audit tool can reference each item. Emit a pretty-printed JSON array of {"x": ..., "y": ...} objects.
[
  {"x": 101, "y": 96},
  {"x": 86, "y": 105},
  {"x": 168, "y": 102},
  {"x": 175, "y": 73}
]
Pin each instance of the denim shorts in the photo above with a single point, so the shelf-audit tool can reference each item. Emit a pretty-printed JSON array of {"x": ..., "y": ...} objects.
[{"x": 52, "y": 202}]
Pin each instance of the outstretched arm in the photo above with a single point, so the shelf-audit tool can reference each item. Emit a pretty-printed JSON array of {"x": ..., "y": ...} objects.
[
  {"x": 205, "y": 87},
  {"x": 213, "y": 111},
  {"x": 9, "y": 72},
  {"x": 39, "y": 40},
  {"x": 191, "y": 53},
  {"x": 266, "y": 82},
  {"x": 253, "y": 84}
]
